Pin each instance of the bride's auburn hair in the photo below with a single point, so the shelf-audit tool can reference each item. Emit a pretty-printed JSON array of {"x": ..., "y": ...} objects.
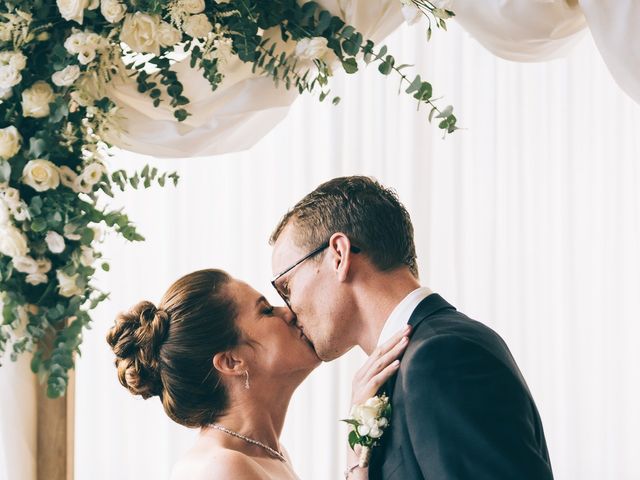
[{"x": 168, "y": 351}]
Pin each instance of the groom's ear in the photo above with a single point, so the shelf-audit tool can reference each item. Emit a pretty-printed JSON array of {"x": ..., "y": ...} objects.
[
  {"x": 340, "y": 248},
  {"x": 228, "y": 364}
]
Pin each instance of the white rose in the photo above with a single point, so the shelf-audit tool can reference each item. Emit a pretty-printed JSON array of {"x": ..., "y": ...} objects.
[
  {"x": 44, "y": 265},
  {"x": 37, "y": 278},
  {"x": 72, "y": 9},
  {"x": 16, "y": 59},
  {"x": 66, "y": 76},
  {"x": 411, "y": 13},
  {"x": 98, "y": 232},
  {"x": 4, "y": 213},
  {"x": 139, "y": 32},
  {"x": 112, "y": 10},
  {"x": 81, "y": 186},
  {"x": 12, "y": 197},
  {"x": 41, "y": 175},
  {"x": 10, "y": 141},
  {"x": 25, "y": 264},
  {"x": 310, "y": 48},
  {"x": 86, "y": 256},
  {"x": 36, "y": 100},
  {"x": 92, "y": 173},
  {"x": 13, "y": 243},
  {"x": 9, "y": 76},
  {"x": 197, "y": 26},
  {"x": 192, "y": 6},
  {"x": 67, "y": 284},
  {"x": 168, "y": 35},
  {"x": 55, "y": 242}
]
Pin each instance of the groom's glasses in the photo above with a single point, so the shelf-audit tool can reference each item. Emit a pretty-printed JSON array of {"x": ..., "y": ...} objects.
[{"x": 282, "y": 289}]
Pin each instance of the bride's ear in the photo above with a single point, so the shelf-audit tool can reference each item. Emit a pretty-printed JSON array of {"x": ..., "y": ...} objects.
[{"x": 228, "y": 364}]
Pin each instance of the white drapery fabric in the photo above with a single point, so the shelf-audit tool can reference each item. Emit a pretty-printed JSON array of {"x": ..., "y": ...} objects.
[
  {"x": 528, "y": 219},
  {"x": 246, "y": 107}
]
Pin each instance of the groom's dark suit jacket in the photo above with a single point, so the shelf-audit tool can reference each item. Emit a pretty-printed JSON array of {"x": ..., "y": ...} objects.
[{"x": 461, "y": 408}]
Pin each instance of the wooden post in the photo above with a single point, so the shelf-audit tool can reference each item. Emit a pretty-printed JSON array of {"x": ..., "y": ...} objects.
[{"x": 56, "y": 433}]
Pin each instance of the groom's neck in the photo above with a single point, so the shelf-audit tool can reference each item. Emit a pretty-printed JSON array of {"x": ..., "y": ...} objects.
[{"x": 378, "y": 295}]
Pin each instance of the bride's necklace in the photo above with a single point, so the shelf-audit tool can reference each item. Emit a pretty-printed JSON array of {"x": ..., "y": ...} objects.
[{"x": 272, "y": 451}]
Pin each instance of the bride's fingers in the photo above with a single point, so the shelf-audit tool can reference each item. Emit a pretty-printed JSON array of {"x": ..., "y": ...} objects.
[
  {"x": 381, "y": 378},
  {"x": 385, "y": 347},
  {"x": 381, "y": 363}
]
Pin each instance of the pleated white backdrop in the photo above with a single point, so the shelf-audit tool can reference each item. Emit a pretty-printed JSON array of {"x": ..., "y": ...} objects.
[{"x": 528, "y": 220}]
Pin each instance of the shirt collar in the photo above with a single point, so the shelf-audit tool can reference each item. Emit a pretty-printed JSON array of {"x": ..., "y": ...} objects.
[{"x": 400, "y": 315}]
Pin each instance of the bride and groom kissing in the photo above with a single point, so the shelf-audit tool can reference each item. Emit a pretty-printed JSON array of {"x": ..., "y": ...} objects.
[{"x": 225, "y": 361}]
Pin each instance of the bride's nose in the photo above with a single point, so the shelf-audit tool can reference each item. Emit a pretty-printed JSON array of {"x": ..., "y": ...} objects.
[{"x": 288, "y": 315}]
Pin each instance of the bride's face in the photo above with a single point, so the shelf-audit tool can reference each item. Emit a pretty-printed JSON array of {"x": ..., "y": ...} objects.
[{"x": 275, "y": 345}]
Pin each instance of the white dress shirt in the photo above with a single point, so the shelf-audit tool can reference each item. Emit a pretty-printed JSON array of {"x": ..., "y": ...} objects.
[{"x": 402, "y": 313}]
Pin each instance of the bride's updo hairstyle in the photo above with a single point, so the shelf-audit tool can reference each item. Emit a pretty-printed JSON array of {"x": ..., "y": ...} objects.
[{"x": 168, "y": 350}]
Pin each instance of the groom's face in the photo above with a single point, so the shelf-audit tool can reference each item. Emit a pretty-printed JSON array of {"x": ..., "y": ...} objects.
[{"x": 314, "y": 293}]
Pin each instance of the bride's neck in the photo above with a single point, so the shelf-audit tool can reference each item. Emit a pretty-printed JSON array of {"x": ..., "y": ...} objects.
[{"x": 259, "y": 415}]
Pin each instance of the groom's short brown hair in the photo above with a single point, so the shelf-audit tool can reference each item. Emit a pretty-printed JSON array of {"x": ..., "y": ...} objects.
[{"x": 368, "y": 213}]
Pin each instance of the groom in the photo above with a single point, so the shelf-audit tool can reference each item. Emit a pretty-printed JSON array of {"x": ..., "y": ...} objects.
[{"x": 345, "y": 263}]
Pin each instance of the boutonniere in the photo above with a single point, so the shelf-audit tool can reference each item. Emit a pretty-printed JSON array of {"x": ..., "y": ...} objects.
[{"x": 368, "y": 422}]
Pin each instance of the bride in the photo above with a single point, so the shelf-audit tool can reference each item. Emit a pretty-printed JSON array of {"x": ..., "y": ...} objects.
[{"x": 223, "y": 360}]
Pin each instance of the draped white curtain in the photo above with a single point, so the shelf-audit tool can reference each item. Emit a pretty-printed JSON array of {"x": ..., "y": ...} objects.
[{"x": 528, "y": 220}]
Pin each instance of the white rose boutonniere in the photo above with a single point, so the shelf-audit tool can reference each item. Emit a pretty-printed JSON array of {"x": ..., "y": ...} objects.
[
  {"x": 368, "y": 422},
  {"x": 41, "y": 175}
]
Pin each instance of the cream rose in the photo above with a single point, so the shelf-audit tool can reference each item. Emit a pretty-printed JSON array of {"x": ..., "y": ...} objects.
[
  {"x": 25, "y": 264},
  {"x": 197, "y": 26},
  {"x": 13, "y": 243},
  {"x": 10, "y": 142},
  {"x": 66, "y": 76},
  {"x": 112, "y": 10},
  {"x": 9, "y": 76},
  {"x": 55, "y": 242},
  {"x": 73, "y": 9},
  {"x": 37, "y": 278},
  {"x": 16, "y": 59},
  {"x": 311, "y": 48},
  {"x": 41, "y": 175},
  {"x": 168, "y": 35},
  {"x": 36, "y": 100},
  {"x": 67, "y": 284},
  {"x": 5, "y": 93},
  {"x": 139, "y": 31},
  {"x": 192, "y": 6}
]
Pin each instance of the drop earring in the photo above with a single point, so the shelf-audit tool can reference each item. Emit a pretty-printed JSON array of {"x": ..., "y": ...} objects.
[{"x": 246, "y": 379}]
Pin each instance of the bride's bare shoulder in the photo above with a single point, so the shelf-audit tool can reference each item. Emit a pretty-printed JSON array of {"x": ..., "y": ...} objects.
[{"x": 221, "y": 464}]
